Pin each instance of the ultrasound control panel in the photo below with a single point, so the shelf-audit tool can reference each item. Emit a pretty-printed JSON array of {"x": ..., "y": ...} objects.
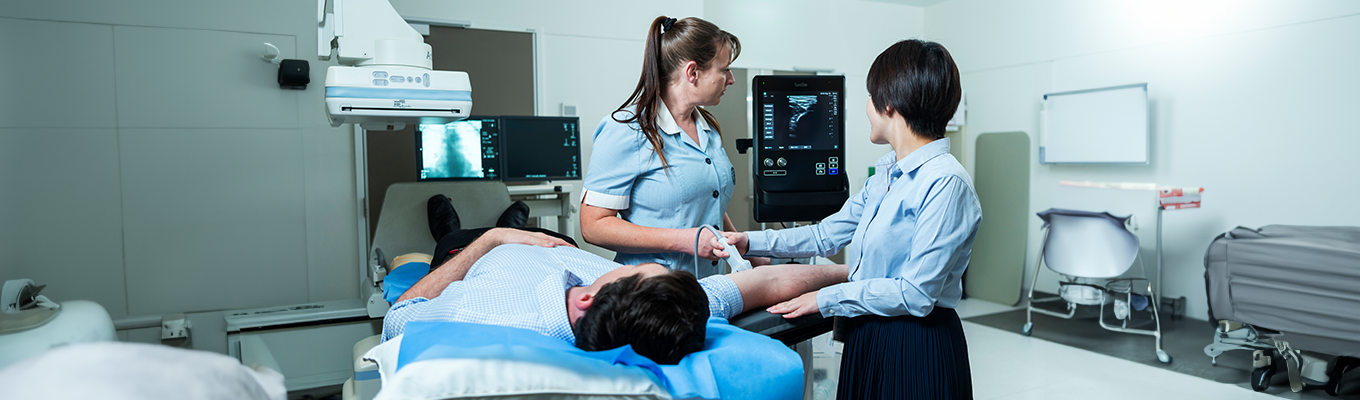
[{"x": 800, "y": 129}]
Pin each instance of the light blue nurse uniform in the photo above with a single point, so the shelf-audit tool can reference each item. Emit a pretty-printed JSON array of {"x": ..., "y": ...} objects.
[{"x": 626, "y": 175}]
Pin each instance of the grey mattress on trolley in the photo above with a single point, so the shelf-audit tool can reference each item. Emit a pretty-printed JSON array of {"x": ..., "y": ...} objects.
[{"x": 1302, "y": 281}]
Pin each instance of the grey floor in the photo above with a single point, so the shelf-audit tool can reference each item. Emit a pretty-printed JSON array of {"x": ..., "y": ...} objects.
[{"x": 1183, "y": 339}]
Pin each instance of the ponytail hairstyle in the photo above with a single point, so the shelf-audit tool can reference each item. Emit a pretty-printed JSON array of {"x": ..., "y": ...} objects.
[{"x": 670, "y": 44}]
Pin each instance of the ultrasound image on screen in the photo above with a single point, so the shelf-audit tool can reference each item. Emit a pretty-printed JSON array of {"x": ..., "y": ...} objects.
[
  {"x": 467, "y": 149},
  {"x": 800, "y": 120}
]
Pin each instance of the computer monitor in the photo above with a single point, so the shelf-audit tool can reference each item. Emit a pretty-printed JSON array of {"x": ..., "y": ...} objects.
[
  {"x": 463, "y": 150},
  {"x": 541, "y": 148}
]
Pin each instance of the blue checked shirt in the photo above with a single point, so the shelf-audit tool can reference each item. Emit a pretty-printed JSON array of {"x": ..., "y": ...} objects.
[
  {"x": 526, "y": 287},
  {"x": 914, "y": 223},
  {"x": 626, "y": 175}
]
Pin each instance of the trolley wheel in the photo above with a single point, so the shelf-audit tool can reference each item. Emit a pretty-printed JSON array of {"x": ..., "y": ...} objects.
[
  {"x": 1343, "y": 365},
  {"x": 1029, "y": 328},
  {"x": 1260, "y": 378}
]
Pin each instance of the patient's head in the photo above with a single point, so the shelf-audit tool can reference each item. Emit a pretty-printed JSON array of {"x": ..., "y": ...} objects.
[{"x": 661, "y": 313}]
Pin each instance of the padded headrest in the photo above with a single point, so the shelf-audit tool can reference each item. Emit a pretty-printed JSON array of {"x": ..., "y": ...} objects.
[{"x": 404, "y": 227}]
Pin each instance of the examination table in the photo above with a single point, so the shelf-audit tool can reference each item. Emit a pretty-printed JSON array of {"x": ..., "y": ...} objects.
[{"x": 403, "y": 229}]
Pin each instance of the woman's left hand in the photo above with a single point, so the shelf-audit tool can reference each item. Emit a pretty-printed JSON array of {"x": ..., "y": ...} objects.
[{"x": 799, "y": 306}]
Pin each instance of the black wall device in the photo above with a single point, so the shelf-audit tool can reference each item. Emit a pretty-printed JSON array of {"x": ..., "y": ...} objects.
[
  {"x": 294, "y": 74},
  {"x": 799, "y": 144}
]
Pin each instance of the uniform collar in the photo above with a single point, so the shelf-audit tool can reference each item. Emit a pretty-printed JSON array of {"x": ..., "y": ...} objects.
[
  {"x": 917, "y": 158},
  {"x": 667, "y": 124}
]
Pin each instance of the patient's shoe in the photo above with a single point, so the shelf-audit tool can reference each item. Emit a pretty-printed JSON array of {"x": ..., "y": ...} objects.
[
  {"x": 443, "y": 219},
  {"x": 517, "y": 216}
]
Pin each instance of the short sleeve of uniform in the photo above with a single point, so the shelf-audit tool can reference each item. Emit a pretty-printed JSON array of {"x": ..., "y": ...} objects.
[
  {"x": 614, "y": 165},
  {"x": 724, "y": 298}
]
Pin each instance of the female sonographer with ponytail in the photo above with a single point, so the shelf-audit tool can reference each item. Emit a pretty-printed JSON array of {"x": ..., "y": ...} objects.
[{"x": 658, "y": 169}]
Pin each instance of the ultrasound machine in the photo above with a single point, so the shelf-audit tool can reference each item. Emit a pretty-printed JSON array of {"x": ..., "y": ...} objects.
[{"x": 799, "y": 143}]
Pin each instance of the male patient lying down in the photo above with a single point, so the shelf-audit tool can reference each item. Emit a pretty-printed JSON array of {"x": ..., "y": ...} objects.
[{"x": 531, "y": 280}]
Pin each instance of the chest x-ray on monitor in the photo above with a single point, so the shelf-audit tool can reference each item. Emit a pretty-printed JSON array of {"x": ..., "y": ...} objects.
[{"x": 467, "y": 149}]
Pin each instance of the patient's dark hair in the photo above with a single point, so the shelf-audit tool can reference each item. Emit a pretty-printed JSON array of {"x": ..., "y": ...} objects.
[
  {"x": 663, "y": 317},
  {"x": 919, "y": 80}
]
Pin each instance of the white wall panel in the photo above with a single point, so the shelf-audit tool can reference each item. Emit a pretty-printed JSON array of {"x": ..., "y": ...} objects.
[
  {"x": 267, "y": 16},
  {"x": 60, "y": 220},
  {"x": 332, "y": 234},
  {"x": 215, "y": 219},
  {"x": 991, "y": 34},
  {"x": 205, "y": 72},
  {"x": 56, "y": 74},
  {"x": 178, "y": 78}
]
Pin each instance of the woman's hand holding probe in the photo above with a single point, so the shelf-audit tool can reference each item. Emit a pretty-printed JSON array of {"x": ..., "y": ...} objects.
[
  {"x": 799, "y": 306},
  {"x": 516, "y": 236},
  {"x": 737, "y": 239},
  {"x": 708, "y": 249}
]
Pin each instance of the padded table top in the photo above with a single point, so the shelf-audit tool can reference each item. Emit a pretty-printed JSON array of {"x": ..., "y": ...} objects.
[{"x": 788, "y": 331}]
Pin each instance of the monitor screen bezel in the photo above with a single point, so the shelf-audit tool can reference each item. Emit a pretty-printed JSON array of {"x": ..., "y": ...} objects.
[{"x": 505, "y": 156}]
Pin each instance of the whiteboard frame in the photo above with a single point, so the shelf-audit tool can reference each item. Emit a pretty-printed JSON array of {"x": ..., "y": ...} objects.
[{"x": 1147, "y": 132}]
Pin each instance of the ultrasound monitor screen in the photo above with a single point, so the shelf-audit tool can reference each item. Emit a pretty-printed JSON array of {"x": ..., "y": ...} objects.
[
  {"x": 462, "y": 150},
  {"x": 541, "y": 148},
  {"x": 800, "y": 120}
]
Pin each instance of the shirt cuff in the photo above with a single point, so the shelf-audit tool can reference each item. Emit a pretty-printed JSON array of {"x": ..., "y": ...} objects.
[
  {"x": 827, "y": 301},
  {"x": 757, "y": 244},
  {"x": 721, "y": 288},
  {"x": 602, "y": 200},
  {"x": 404, "y": 303}
]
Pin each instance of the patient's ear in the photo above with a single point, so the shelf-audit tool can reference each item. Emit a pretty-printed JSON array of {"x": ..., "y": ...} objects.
[{"x": 582, "y": 301}]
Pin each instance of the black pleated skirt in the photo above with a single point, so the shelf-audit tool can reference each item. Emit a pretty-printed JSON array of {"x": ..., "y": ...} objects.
[{"x": 905, "y": 357}]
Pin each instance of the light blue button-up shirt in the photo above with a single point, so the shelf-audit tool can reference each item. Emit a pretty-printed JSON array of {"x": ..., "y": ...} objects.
[
  {"x": 626, "y": 175},
  {"x": 525, "y": 287},
  {"x": 914, "y": 224}
]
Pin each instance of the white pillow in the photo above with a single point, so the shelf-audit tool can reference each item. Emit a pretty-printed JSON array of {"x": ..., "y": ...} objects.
[
  {"x": 117, "y": 370},
  {"x": 508, "y": 379}
]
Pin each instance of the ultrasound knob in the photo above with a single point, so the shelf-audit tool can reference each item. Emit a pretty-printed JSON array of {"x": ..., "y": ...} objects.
[
  {"x": 782, "y": 162},
  {"x": 769, "y": 162}
]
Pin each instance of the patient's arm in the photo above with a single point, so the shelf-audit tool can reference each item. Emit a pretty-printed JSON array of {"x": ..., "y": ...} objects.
[
  {"x": 457, "y": 267},
  {"x": 765, "y": 286}
]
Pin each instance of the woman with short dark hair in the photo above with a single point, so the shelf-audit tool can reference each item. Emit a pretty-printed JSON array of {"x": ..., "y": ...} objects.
[{"x": 915, "y": 222}]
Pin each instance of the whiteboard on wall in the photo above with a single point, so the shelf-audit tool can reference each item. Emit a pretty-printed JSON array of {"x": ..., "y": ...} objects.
[{"x": 1095, "y": 126}]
